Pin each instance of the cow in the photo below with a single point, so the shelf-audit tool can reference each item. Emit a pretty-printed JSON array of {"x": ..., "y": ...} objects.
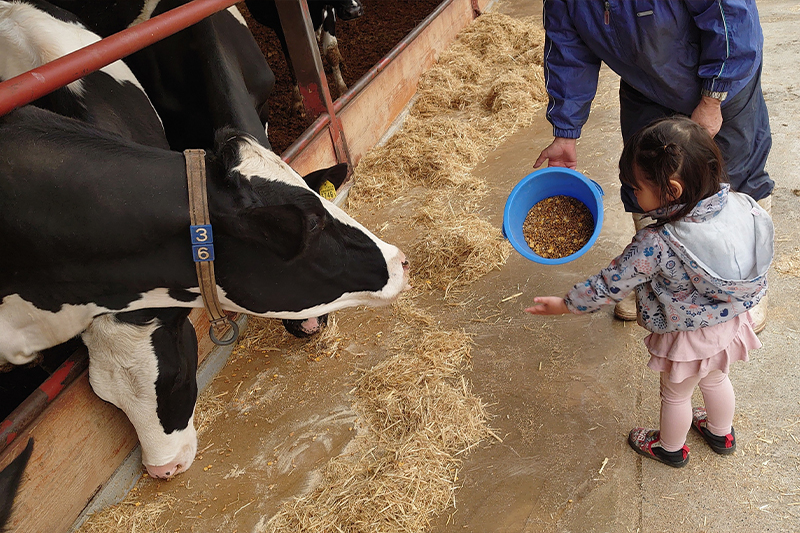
[
  {"x": 208, "y": 76},
  {"x": 205, "y": 77},
  {"x": 323, "y": 20},
  {"x": 159, "y": 341},
  {"x": 36, "y": 32},
  {"x": 95, "y": 235}
]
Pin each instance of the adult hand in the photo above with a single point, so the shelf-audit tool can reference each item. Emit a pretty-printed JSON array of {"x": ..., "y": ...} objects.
[
  {"x": 562, "y": 152},
  {"x": 708, "y": 114},
  {"x": 548, "y": 305}
]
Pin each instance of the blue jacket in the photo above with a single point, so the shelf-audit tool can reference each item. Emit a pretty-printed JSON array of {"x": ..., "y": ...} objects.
[{"x": 668, "y": 50}]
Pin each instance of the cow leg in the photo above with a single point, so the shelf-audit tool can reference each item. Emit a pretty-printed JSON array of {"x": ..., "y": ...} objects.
[
  {"x": 297, "y": 101},
  {"x": 297, "y": 98},
  {"x": 330, "y": 48},
  {"x": 10, "y": 478},
  {"x": 145, "y": 363}
]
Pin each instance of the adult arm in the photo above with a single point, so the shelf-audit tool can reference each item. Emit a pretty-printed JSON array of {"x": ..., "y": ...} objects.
[
  {"x": 570, "y": 73},
  {"x": 730, "y": 50}
]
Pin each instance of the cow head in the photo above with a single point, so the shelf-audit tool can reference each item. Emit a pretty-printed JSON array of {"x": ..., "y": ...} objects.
[
  {"x": 282, "y": 250},
  {"x": 347, "y": 9},
  {"x": 144, "y": 362}
]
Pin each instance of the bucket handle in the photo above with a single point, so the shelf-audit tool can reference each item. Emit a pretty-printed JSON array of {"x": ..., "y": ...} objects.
[{"x": 599, "y": 188}]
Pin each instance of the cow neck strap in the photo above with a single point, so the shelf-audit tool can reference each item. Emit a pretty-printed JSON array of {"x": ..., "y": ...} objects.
[{"x": 203, "y": 247}]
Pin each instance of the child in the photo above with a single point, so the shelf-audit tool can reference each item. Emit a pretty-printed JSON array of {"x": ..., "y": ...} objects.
[{"x": 696, "y": 272}]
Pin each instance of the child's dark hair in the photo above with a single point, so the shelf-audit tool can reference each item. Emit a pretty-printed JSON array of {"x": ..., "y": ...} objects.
[{"x": 674, "y": 148}]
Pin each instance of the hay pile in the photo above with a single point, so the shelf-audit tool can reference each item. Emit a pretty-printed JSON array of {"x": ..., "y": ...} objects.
[
  {"x": 131, "y": 515},
  {"x": 418, "y": 417},
  {"x": 487, "y": 85}
]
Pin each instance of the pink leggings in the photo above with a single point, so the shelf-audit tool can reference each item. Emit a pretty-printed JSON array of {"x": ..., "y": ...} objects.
[{"x": 676, "y": 407}]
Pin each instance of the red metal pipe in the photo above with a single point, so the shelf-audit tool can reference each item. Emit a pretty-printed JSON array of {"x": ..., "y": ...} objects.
[
  {"x": 34, "y": 84},
  {"x": 302, "y": 142},
  {"x": 27, "y": 411}
]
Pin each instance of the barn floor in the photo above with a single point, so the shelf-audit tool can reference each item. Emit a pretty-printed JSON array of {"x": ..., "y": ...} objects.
[
  {"x": 566, "y": 391},
  {"x": 563, "y": 392}
]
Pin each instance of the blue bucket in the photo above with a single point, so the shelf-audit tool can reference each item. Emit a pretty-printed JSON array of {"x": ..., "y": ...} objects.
[{"x": 541, "y": 184}]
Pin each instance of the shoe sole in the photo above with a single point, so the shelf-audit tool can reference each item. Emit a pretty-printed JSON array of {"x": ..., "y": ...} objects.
[
  {"x": 657, "y": 458},
  {"x": 624, "y": 316}
]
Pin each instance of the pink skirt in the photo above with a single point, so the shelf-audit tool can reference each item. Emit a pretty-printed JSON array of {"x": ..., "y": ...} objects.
[{"x": 683, "y": 354}]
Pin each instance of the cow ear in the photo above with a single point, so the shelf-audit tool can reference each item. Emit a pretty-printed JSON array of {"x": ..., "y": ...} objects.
[
  {"x": 226, "y": 147},
  {"x": 286, "y": 229},
  {"x": 10, "y": 478},
  {"x": 335, "y": 174}
]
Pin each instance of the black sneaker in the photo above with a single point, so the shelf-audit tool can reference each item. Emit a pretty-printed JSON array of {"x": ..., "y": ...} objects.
[
  {"x": 725, "y": 445},
  {"x": 647, "y": 442}
]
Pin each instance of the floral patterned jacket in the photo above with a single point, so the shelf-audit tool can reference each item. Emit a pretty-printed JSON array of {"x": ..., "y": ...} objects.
[{"x": 696, "y": 272}]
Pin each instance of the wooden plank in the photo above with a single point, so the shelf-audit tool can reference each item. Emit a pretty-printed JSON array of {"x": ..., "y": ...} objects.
[
  {"x": 367, "y": 117},
  {"x": 199, "y": 320},
  {"x": 80, "y": 441},
  {"x": 318, "y": 154}
]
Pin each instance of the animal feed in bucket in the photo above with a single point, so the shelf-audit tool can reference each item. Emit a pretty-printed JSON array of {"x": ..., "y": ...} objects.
[{"x": 558, "y": 226}]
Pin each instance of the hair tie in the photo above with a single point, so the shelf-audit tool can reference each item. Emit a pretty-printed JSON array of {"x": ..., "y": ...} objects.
[{"x": 671, "y": 149}]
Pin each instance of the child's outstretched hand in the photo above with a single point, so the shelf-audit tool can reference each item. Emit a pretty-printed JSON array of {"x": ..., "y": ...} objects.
[{"x": 548, "y": 305}]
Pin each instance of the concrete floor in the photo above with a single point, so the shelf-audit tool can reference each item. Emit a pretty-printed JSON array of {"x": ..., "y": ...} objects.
[
  {"x": 563, "y": 392},
  {"x": 566, "y": 390}
]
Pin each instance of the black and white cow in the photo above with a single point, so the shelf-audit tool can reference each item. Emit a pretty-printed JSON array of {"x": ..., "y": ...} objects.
[
  {"x": 159, "y": 341},
  {"x": 94, "y": 229},
  {"x": 203, "y": 78},
  {"x": 208, "y": 76},
  {"x": 35, "y": 32},
  {"x": 323, "y": 19}
]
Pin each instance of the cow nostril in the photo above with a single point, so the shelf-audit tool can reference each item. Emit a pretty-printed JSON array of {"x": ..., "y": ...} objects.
[{"x": 404, "y": 263}]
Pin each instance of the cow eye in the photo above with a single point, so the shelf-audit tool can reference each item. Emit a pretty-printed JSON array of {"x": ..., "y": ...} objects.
[{"x": 316, "y": 224}]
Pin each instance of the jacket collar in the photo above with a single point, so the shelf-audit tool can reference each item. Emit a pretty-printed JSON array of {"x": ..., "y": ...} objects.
[{"x": 706, "y": 209}]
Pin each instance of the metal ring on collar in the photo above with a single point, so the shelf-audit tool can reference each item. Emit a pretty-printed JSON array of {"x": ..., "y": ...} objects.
[{"x": 225, "y": 342}]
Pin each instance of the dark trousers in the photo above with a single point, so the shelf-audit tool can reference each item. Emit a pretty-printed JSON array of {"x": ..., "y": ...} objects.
[{"x": 744, "y": 138}]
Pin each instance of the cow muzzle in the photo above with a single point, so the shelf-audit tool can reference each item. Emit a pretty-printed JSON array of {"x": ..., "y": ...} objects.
[
  {"x": 181, "y": 463},
  {"x": 350, "y": 11}
]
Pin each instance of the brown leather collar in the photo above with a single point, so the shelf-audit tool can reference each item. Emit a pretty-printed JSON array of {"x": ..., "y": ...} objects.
[{"x": 203, "y": 248}]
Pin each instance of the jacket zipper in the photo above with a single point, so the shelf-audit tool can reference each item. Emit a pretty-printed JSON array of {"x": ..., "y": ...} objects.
[{"x": 607, "y": 13}]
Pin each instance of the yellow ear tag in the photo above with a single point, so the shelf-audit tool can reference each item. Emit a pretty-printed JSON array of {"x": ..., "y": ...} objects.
[{"x": 327, "y": 190}]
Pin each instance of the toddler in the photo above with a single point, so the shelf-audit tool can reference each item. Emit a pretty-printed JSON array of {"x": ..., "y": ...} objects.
[{"x": 696, "y": 272}]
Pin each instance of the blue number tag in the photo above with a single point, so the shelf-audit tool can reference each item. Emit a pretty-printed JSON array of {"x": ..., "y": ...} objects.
[
  {"x": 202, "y": 234},
  {"x": 202, "y": 243},
  {"x": 203, "y": 252}
]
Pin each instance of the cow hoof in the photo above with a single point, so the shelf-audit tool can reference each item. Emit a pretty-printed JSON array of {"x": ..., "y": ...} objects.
[{"x": 305, "y": 328}]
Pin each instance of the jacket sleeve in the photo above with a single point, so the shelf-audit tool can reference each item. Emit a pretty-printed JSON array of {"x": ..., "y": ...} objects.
[
  {"x": 570, "y": 72},
  {"x": 730, "y": 41},
  {"x": 639, "y": 263}
]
